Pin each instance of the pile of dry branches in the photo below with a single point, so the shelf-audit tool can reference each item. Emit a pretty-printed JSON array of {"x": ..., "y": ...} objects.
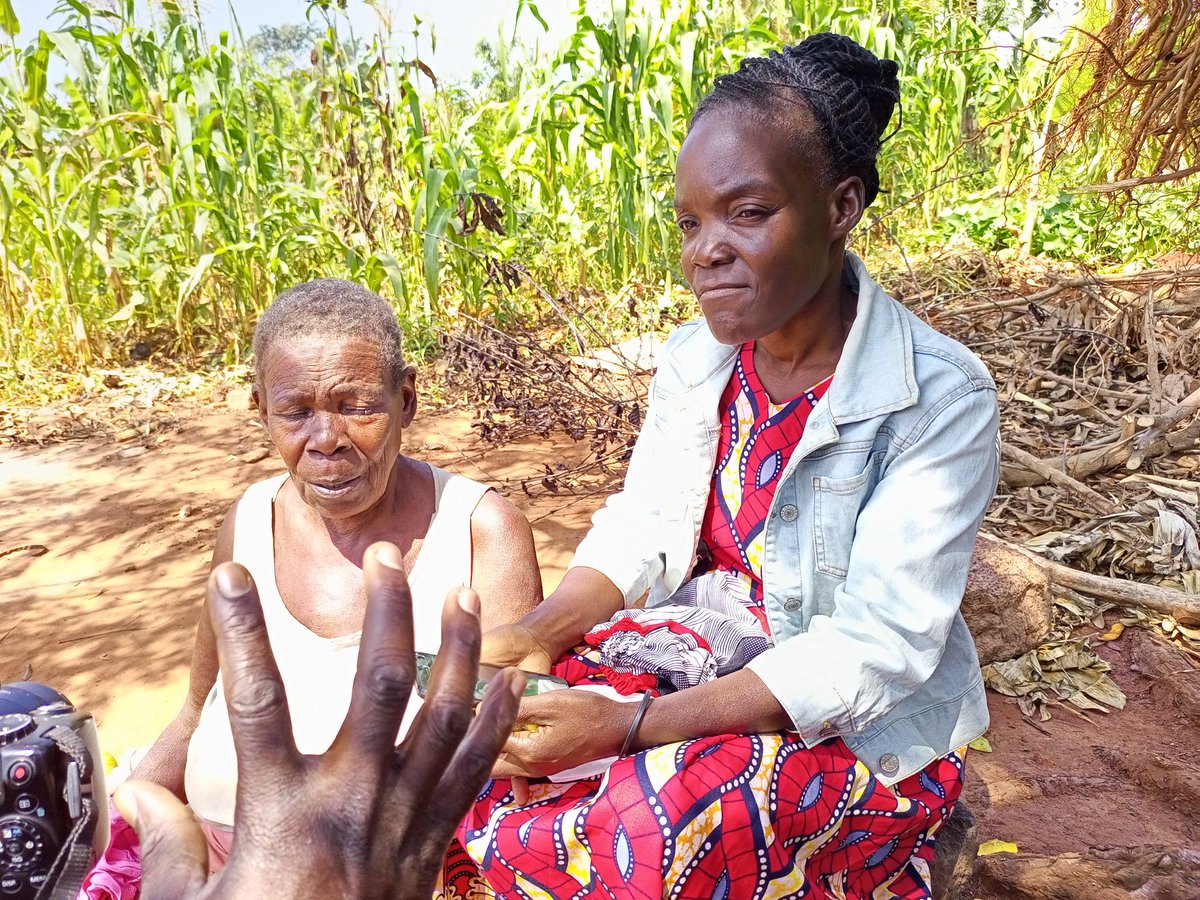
[
  {"x": 523, "y": 384},
  {"x": 1099, "y": 396}
]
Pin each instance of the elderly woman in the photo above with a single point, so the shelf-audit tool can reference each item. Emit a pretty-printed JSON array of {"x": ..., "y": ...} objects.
[
  {"x": 335, "y": 396},
  {"x": 801, "y": 508}
]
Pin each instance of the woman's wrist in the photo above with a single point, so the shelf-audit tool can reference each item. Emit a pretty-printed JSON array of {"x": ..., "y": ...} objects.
[
  {"x": 583, "y": 600},
  {"x": 738, "y": 703},
  {"x": 617, "y": 729},
  {"x": 628, "y": 745},
  {"x": 542, "y": 634}
]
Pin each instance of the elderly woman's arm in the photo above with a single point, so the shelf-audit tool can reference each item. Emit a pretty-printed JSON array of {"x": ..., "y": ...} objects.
[
  {"x": 504, "y": 567},
  {"x": 166, "y": 759}
]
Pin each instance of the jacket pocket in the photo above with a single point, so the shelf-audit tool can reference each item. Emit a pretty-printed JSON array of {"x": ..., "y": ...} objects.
[{"x": 836, "y": 505}]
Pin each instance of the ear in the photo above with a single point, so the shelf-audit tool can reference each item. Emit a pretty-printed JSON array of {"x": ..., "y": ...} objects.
[
  {"x": 258, "y": 402},
  {"x": 408, "y": 395},
  {"x": 846, "y": 207}
]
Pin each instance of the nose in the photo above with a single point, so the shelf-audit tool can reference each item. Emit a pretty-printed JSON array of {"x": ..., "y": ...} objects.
[
  {"x": 328, "y": 434},
  {"x": 708, "y": 248}
]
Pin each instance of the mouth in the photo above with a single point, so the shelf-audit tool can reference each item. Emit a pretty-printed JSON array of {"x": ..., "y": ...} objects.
[
  {"x": 332, "y": 488},
  {"x": 720, "y": 291}
]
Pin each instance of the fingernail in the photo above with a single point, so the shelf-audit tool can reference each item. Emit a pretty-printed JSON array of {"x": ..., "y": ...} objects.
[
  {"x": 125, "y": 800},
  {"x": 232, "y": 580},
  {"x": 516, "y": 683},
  {"x": 389, "y": 555},
  {"x": 469, "y": 601}
]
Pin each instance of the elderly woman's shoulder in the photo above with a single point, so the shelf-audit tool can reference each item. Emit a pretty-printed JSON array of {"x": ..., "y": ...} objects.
[{"x": 497, "y": 514}]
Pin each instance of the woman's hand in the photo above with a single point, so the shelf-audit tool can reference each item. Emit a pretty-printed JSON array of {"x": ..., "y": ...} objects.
[
  {"x": 515, "y": 645},
  {"x": 562, "y": 729},
  {"x": 365, "y": 820}
]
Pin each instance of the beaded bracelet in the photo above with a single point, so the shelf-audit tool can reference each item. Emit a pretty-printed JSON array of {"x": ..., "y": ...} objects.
[{"x": 633, "y": 727}]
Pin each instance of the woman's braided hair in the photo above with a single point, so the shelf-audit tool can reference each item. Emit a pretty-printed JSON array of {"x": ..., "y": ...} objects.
[{"x": 849, "y": 91}]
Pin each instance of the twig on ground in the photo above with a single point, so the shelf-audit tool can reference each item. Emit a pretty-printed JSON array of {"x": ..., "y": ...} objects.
[
  {"x": 1119, "y": 590},
  {"x": 1168, "y": 420},
  {"x": 1058, "y": 477}
]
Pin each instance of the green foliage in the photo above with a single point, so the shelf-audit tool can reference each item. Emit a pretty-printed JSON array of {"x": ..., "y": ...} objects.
[{"x": 173, "y": 184}]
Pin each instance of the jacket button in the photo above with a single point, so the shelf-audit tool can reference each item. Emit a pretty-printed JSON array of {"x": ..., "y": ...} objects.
[
  {"x": 792, "y": 604},
  {"x": 789, "y": 513},
  {"x": 889, "y": 764}
]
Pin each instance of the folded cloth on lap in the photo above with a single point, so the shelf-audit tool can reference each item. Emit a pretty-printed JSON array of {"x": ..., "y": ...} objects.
[{"x": 705, "y": 632}]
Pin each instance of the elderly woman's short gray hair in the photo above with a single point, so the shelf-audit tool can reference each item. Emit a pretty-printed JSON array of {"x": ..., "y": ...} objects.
[{"x": 333, "y": 308}]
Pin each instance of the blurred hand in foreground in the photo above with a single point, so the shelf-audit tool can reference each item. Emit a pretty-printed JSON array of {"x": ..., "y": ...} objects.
[{"x": 367, "y": 819}]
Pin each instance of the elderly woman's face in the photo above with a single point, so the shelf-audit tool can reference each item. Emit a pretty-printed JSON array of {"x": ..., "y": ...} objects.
[
  {"x": 757, "y": 223},
  {"x": 336, "y": 418}
]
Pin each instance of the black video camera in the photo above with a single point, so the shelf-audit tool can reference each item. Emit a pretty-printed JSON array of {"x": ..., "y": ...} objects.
[{"x": 53, "y": 807}]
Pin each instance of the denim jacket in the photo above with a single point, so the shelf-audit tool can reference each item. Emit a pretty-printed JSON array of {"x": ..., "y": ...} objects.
[{"x": 868, "y": 538}]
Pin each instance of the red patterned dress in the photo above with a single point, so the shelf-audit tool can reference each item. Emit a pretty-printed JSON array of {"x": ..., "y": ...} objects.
[{"x": 730, "y": 816}]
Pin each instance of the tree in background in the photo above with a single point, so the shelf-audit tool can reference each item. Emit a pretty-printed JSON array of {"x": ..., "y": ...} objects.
[{"x": 1143, "y": 90}]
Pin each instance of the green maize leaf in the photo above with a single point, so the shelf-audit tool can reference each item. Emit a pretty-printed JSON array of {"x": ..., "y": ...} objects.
[
  {"x": 414, "y": 107},
  {"x": 37, "y": 58},
  {"x": 8, "y": 19},
  {"x": 125, "y": 313},
  {"x": 69, "y": 49},
  {"x": 430, "y": 254},
  {"x": 533, "y": 10},
  {"x": 199, "y": 270},
  {"x": 687, "y": 68},
  {"x": 395, "y": 275},
  {"x": 183, "y": 135}
]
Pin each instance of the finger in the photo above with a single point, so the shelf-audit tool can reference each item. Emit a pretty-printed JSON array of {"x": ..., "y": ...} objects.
[
  {"x": 490, "y": 732},
  {"x": 386, "y": 664},
  {"x": 519, "y": 751},
  {"x": 254, "y": 693},
  {"x": 173, "y": 850},
  {"x": 468, "y": 770},
  {"x": 449, "y": 702},
  {"x": 520, "y": 789},
  {"x": 535, "y": 710}
]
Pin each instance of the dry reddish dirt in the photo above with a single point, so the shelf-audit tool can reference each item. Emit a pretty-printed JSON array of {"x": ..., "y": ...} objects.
[{"x": 1099, "y": 809}]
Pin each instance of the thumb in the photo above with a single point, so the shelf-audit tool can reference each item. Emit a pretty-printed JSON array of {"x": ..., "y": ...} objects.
[{"x": 173, "y": 849}]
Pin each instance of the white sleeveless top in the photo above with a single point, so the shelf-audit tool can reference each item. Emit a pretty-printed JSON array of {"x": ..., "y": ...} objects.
[{"x": 318, "y": 672}]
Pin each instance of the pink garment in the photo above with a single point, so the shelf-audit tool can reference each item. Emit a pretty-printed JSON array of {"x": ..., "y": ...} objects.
[
  {"x": 117, "y": 875},
  {"x": 220, "y": 842}
]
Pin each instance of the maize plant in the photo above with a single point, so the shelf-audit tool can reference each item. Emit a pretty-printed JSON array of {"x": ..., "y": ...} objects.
[{"x": 168, "y": 185}]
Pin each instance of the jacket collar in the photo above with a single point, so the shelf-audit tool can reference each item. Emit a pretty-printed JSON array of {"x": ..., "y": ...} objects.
[{"x": 874, "y": 376}]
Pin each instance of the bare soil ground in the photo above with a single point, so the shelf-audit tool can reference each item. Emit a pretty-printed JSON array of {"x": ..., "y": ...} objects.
[{"x": 1099, "y": 809}]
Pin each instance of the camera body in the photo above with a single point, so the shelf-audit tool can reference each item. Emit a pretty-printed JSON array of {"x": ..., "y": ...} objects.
[{"x": 49, "y": 782}]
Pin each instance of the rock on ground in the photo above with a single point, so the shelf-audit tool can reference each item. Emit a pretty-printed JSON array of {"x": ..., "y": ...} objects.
[{"x": 1007, "y": 605}]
